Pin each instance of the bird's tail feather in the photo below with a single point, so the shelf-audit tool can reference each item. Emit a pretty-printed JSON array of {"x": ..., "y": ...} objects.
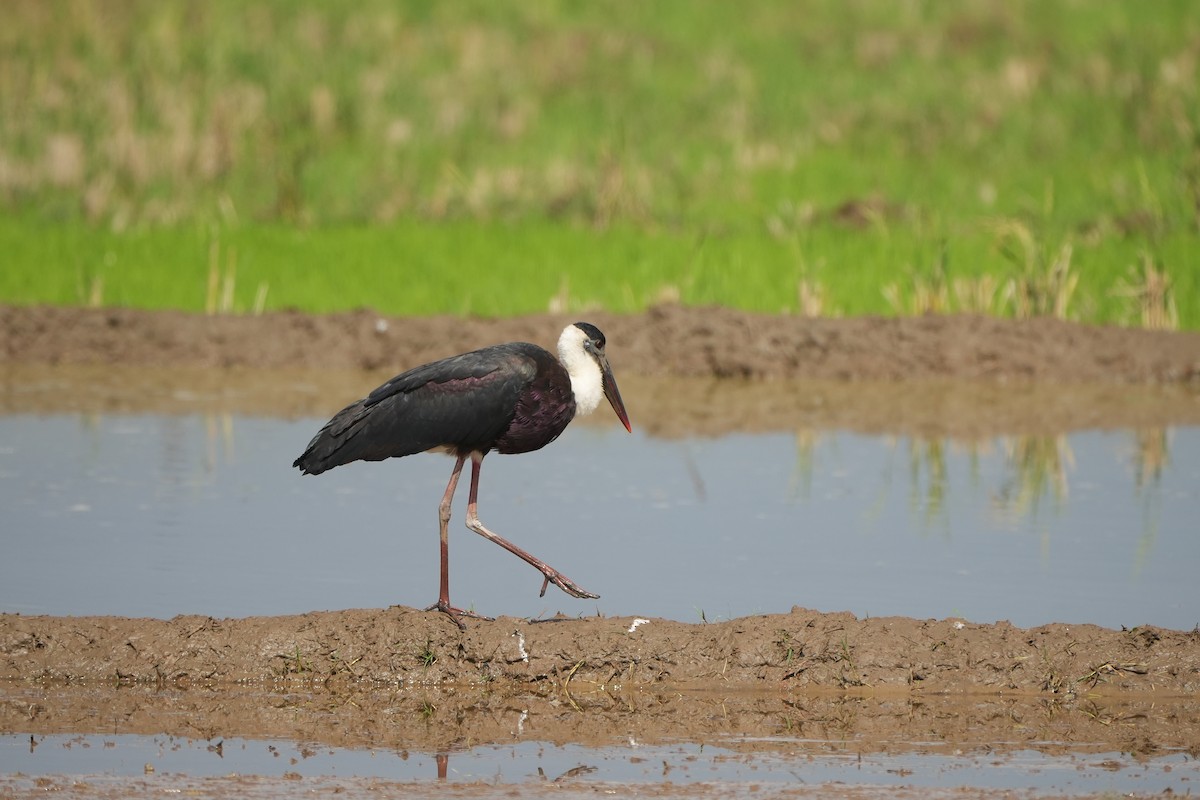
[{"x": 335, "y": 444}]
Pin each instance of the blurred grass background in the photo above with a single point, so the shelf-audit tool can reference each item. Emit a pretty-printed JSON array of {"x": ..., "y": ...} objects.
[{"x": 826, "y": 158}]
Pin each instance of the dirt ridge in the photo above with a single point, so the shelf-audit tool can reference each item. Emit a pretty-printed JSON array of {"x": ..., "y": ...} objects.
[
  {"x": 666, "y": 340},
  {"x": 403, "y": 646}
]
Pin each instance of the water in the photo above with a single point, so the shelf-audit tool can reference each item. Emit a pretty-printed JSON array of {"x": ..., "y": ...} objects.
[
  {"x": 153, "y": 513},
  {"x": 787, "y": 763}
]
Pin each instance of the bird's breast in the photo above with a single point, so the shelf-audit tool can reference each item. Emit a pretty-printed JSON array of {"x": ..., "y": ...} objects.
[{"x": 544, "y": 409}]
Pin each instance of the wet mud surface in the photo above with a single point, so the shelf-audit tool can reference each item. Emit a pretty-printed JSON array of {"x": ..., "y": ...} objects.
[
  {"x": 745, "y": 725},
  {"x": 667, "y": 340},
  {"x": 682, "y": 371},
  {"x": 403, "y": 647},
  {"x": 405, "y": 679}
]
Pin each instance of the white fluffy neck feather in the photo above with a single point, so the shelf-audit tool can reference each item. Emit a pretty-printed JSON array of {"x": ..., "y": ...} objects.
[{"x": 586, "y": 381}]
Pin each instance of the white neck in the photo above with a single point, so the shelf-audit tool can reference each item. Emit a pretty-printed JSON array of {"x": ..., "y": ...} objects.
[{"x": 586, "y": 382}]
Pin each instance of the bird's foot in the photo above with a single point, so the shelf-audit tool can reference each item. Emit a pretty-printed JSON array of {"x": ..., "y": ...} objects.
[
  {"x": 456, "y": 614},
  {"x": 566, "y": 584}
]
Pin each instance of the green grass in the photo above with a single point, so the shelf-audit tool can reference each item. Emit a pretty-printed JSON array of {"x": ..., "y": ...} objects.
[{"x": 483, "y": 157}]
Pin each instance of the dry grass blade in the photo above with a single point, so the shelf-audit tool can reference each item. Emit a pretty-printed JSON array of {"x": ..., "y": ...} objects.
[
  {"x": 812, "y": 298},
  {"x": 1045, "y": 284},
  {"x": 1152, "y": 296}
]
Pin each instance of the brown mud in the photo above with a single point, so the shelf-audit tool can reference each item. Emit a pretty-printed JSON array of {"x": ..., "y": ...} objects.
[
  {"x": 683, "y": 372},
  {"x": 667, "y": 340},
  {"x": 405, "y": 647},
  {"x": 746, "y": 724},
  {"x": 407, "y": 679}
]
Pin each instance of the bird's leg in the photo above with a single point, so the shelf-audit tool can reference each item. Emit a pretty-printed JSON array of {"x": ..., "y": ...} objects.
[
  {"x": 443, "y": 603},
  {"x": 551, "y": 575},
  {"x": 444, "y": 532}
]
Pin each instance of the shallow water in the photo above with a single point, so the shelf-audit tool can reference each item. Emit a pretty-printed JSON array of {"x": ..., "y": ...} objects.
[
  {"x": 785, "y": 763},
  {"x": 149, "y": 513}
]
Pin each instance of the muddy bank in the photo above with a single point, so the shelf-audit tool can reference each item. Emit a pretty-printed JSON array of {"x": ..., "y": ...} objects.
[
  {"x": 682, "y": 371},
  {"x": 660, "y": 406},
  {"x": 669, "y": 340},
  {"x": 403, "y": 647}
]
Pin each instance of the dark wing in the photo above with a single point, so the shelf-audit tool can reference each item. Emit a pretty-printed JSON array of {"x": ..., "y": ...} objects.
[{"x": 463, "y": 403}]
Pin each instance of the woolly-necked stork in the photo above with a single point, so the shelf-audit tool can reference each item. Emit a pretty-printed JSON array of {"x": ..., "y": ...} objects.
[{"x": 511, "y": 398}]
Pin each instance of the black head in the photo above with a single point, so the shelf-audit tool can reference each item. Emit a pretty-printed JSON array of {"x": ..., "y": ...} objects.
[{"x": 595, "y": 337}]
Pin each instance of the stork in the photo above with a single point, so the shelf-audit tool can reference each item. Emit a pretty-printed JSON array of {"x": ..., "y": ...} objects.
[{"x": 511, "y": 398}]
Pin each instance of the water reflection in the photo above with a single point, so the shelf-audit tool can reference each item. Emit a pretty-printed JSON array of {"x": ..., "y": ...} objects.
[
  {"x": 279, "y": 768},
  {"x": 640, "y": 739},
  {"x": 1039, "y": 467},
  {"x": 1150, "y": 454},
  {"x": 1037, "y": 470},
  {"x": 190, "y": 507}
]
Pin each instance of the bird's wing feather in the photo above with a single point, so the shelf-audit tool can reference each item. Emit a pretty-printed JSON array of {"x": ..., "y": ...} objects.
[
  {"x": 464, "y": 402},
  {"x": 465, "y": 370}
]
